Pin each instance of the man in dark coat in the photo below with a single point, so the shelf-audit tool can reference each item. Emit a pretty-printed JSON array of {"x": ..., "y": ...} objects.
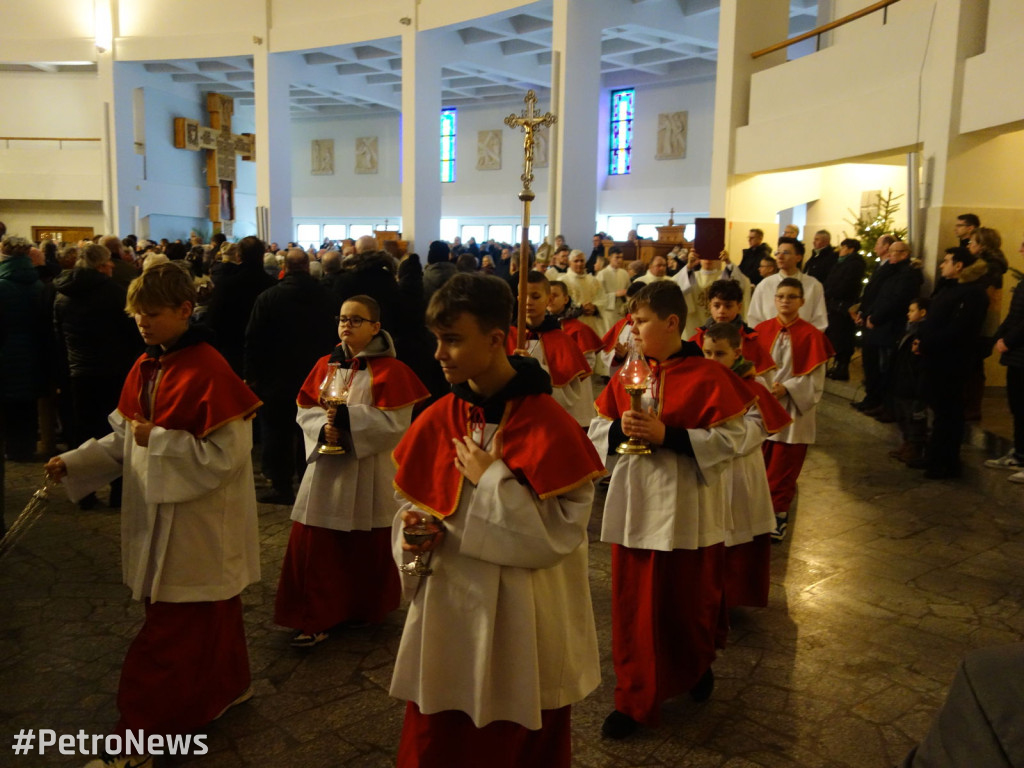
[
  {"x": 235, "y": 288},
  {"x": 949, "y": 336},
  {"x": 842, "y": 291},
  {"x": 439, "y": 268},
  {"x": 822, "y": 258},
  {"x": 292, "y": 326},
  {"x": 752, "y": 255},
  {"x": 22, "y": 348},
  {"x": 883, "y": 313},
  {"x": 99, "y": 342}
]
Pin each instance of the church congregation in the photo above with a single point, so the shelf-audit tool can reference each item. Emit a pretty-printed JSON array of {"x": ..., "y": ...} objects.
[{"x": 399, "y": 391}]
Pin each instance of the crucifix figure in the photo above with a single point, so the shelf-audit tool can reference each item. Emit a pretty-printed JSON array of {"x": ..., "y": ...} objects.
[
  {"x": 530, "y": 122},
  {"x": 221, "y": 146}
]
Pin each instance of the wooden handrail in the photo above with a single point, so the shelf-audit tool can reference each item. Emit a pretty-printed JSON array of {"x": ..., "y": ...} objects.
[
  {"x": 824, "y": 28},
  {"x": 40, "y": 138}
]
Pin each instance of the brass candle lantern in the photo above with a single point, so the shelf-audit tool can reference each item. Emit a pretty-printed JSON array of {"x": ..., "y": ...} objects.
[
  {"x": 333, "y": 392},
  {"x": 636, "y": 375}
]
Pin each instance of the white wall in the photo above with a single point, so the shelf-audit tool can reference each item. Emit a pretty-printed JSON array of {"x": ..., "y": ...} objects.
[
  {"x": 39, "y": 105},
  {"x": 991, "y": 97},
  {"x": 21, "y": 215},
  {"x": 655, "y": 186},
  {"x": 858, "y": 97}
]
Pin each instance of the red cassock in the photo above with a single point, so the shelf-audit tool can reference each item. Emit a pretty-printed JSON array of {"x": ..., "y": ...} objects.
[
  {"x": 189, "y": 661},
  {"x": 330, "y": 576},
  {"x": 667, "y": 606},
  {"x": 750, "y": 347}
]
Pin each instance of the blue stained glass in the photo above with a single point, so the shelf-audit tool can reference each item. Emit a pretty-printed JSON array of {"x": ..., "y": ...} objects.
[
  {"x": 448, "y": 120},
  {"x": 620, "y": 145}
]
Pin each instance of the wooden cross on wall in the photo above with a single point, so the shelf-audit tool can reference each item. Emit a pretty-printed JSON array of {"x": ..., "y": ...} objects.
[{"x": 221, "y": 146}]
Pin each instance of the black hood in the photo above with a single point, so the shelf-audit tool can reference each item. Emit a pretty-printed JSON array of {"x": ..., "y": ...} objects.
[
  {"x": 196, "y": 334},
  {"x": 530, "y": 379}
]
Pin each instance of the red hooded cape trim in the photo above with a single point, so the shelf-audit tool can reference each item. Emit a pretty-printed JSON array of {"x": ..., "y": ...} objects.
[
  {"x": 750, "y": 347},
  {"x": 694, "y": 394},
  {"x": 610, "y": 339},
  {"x": 542, "y": 445},
  {"x": 810, "y": 347},
  {"x": 194, "y": 390},
  {"x": 774, "y": 417},
  {"x": 582, "y": 334},
  {"x": 565, "y": 360},
  {"x": 393, "y": 385}
]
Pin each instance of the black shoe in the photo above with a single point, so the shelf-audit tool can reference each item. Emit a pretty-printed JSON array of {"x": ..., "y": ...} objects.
[
  {"x": 88, "y": 502},
  {"x": 864, "y": 405},
  {"x": 701, "y": 692},
  {"x": 618, "y": 725},
  {"x": 884, "y": 417},
  {"x": 841, "y": 374},
  {"x": 276, "y": 497}
]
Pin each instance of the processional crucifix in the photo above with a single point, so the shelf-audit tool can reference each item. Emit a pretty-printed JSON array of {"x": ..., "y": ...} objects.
[
  {"x": 530, "y": 122},
  {"x": 221, "y": 146}
]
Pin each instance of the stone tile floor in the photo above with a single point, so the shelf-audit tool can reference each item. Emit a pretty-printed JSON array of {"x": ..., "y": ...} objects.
[{"x": 884, "y": 582}]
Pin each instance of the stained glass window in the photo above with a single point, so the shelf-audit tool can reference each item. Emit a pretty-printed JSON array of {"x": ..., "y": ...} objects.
[
  {"x": 621, "y": 144},
  {"x": 448, "y": 144}
]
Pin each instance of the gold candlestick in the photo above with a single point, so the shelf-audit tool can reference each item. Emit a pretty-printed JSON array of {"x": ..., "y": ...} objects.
[
  {"x": 333, "y": 393},
  {"x": 636, "y": 374}
]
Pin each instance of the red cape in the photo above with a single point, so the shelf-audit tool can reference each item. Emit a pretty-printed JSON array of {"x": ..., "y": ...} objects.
[
  {"x": 564, "y": 359},
  {"x": 774, "y": 417},
  {"x": 694, "y": 393},
  {"x": 582, "y": 334},
  {"x": 611, "y": 338},
  {"x": 392, "y": 383},
  {"x": 542, "y": 445},
  {"x": 750, "y": 347},
  {"x": 810, "y": 346},
  {"x": 194, "y": 390}
]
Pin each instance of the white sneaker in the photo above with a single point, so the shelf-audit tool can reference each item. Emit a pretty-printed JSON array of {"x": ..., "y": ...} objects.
[
  {"x": 1009, "y": 461},
  {"x": 121, "y": 761},
  {"x": 1016, "y": 477}
]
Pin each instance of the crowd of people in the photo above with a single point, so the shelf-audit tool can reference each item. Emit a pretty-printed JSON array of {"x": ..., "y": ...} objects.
[{"x": 367, "y": 373}]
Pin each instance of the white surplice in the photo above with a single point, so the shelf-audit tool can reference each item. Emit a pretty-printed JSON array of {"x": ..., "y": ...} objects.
[
  {"x": 353, "y": 491},
  {"x": 613, "y": 308},
  {"x": 189, "y": 530},
  {"x": 803, "y": 393},
  {"x": 667, "y": 500},
  {"x": 576, "y": 396},
  {"x": 504, "y": 628}
]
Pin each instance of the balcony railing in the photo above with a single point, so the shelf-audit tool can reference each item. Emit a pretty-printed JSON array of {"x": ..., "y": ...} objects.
[{"x": 882, "y": 5}]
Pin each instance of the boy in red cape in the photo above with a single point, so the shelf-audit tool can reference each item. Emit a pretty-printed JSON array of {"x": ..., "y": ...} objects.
[
  {"x": 615, "y": 343},
  {"x": 338, "y": 566},
  {"x": 665, "y": 513},
  {"x": 500, "y": 639},
  {"x": 556, "y": 352},
  {"x": 800, "y": 352},
  {"x": 561, "y": 308},
  {"x": 182, "y": 441},
  {"x": 749, "y": 516},
  {"x": 725, "y": 301}
]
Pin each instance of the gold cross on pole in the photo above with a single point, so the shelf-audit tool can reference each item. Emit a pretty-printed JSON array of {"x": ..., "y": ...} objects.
[{"x": 530, "y": 122}]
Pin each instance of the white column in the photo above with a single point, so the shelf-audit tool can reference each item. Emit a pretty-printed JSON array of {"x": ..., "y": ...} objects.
[
  {"x": 273, "y": 140},
  {"x": 105, "y": 19},
  {"x": 744, "y": 26},
  {"x": 421, "y": 138},
  {"x": 576, "y": 36}
]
